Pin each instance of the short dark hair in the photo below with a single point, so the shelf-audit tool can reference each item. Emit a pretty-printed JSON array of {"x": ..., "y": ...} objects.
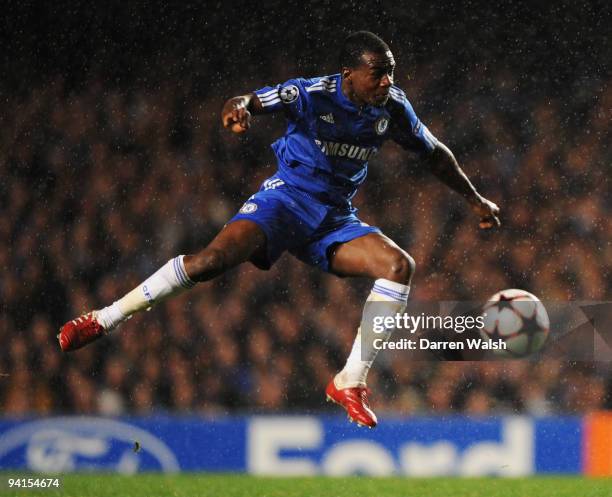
[{"x": 358, "y": 43}]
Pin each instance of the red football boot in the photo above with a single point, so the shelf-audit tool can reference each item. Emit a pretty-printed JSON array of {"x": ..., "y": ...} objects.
[
  {"x": 355, "y": 402},
  {"x": 79, "y": 332}
]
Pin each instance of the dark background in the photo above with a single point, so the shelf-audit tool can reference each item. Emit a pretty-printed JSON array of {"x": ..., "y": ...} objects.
[{"x": 562, "y": 45}]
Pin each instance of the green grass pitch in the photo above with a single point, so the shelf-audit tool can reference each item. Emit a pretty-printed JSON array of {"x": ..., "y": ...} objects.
[{"x": 202, "y": 485}]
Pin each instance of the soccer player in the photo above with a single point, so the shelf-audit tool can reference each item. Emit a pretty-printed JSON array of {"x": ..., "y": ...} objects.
[{"x": 335, "y": 125}]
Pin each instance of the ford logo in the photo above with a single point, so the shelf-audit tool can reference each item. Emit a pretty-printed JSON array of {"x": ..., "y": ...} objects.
[{"x": 59, "y": 445}]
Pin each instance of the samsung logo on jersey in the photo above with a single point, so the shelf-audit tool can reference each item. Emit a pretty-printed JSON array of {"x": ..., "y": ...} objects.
[{"x": 333, "y": 149}]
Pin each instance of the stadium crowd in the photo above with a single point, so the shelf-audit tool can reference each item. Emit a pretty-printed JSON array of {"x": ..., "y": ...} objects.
[{"x": 102, "y": 183}]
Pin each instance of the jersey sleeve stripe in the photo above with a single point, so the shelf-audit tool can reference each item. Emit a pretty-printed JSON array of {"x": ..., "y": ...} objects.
[
  {"x": 268, "y": 103},
  {"x": 322, "y": 86},
  {"x": 429, "y": 137},
  {"x": 268, "y": 93},
  {"x": 397, "y": 98},
  {"x": 317, "y": 86},
  {"x": 269, "y": 98},
  {"x": 397, "y": 93}
]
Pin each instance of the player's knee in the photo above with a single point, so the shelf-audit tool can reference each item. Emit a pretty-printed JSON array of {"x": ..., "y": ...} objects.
[
  {"x": 206, "y": 264},
  {"x": 400, "y": 267}
]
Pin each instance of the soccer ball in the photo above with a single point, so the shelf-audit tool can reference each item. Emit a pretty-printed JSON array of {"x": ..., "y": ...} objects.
[{"x": 519, "y": 319}]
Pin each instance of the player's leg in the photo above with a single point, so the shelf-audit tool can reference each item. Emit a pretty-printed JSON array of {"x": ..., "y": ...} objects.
[
  {"x": 378, "y": 257},
  {"x": 373, "y": 255},
  {"x": 236, "y": 243}
]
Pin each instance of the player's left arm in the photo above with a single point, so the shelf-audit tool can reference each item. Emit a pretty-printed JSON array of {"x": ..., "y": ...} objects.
[
  {"x": 412, "y": 134},
  {"x": 444, "y": 166}
]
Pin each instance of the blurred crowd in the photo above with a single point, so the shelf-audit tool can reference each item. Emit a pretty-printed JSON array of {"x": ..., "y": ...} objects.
[{"x": 102, "y": 184}]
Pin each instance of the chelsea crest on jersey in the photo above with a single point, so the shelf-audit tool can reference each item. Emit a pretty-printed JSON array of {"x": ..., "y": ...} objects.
[{"x": 329, "y": 140}]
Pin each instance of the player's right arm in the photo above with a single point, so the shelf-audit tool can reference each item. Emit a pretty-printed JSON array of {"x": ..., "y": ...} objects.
[
  {"x": 289, "y": 97},
  {"x": 237, "y": 111}
]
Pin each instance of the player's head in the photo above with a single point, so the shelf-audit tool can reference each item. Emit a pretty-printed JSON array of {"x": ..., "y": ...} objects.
[{"x": 367, "y": 67}]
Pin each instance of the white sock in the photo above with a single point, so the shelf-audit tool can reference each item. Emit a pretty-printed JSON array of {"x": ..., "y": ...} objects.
[
  {"x": 171, "y": 279},
  {"x": 387, "y": 298}
]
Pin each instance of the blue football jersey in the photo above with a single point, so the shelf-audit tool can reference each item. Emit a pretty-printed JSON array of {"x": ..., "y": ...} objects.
[{"x": 329, "y": 140}]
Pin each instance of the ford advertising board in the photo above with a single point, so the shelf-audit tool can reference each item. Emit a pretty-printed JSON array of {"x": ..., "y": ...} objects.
[{"x": 295, "y": 445}]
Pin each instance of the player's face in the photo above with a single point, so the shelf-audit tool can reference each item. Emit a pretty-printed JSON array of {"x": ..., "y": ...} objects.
[{"x": 371, "y": 80}]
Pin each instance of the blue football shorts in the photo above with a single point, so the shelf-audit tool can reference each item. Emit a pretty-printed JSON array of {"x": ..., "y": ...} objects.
[{"x": 294, "y": 221}]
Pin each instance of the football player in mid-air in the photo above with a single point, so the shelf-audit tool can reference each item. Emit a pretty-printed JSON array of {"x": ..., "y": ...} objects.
[{"x": 335, "y": 125}]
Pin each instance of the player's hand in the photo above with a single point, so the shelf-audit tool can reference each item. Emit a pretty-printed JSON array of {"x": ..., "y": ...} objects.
[
  {"x": 488, "y": 212},
  {"x": 235, "y": 114}
]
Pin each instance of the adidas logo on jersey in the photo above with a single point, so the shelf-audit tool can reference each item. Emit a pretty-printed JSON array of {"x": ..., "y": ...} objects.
[{"x": 328, "y": 118}]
